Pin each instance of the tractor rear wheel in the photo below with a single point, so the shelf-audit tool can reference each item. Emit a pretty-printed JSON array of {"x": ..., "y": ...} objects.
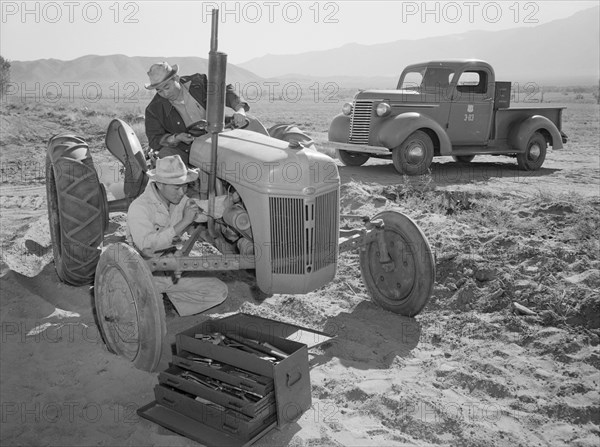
[
  {"x": 404, "y": 284},
  {"x": 77, "y": 209},
  {"x": 414, "y": 155},
  {"x": 352, "y": 158},
  {"x": 130, "y": 311}
]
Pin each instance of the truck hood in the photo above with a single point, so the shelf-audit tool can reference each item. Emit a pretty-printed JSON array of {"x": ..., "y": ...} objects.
[
  {"x": 379, "y": 94},
  {"x": 398, "y": 96}
]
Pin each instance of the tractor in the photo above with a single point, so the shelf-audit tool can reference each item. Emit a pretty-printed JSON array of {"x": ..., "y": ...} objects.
[{"x": 281, "y": 223}]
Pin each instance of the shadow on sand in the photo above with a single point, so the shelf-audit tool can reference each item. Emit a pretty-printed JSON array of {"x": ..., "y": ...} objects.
[
  {"x": 443, "y": 173},
  {"x": 369, "y": 337}
]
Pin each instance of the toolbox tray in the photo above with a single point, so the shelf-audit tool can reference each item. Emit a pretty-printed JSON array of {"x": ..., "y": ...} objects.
[
  {"x": 226, "y": 373},
  {"x": 228, "y": 421},
  {"x": 288, "y": 331},
  {"x": 260, "y": 408},
  {"x": 193, "y": 429}
]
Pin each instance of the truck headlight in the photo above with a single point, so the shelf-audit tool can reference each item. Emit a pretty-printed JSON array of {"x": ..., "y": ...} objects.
[
  {"x": 383, "y": 109},
  {"x": 347, "y": 109}
]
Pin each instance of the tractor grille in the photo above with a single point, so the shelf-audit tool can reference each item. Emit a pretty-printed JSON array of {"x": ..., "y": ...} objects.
[
  {"x": 361, "y": 122},
  {"x": 304, "y": 233},
  {"x": 327, "y": 231}
]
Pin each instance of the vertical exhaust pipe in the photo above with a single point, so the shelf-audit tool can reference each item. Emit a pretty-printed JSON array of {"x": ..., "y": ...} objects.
[{"x": 215, "y": 110}]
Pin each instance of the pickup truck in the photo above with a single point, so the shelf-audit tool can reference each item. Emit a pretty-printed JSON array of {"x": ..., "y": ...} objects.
[{"x": 454, "y": 108}]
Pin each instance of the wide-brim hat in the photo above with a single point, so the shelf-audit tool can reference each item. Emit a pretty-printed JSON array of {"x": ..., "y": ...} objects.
[
  {"x": 172, "y": 171},
  {"x": 160, "y": 73}
]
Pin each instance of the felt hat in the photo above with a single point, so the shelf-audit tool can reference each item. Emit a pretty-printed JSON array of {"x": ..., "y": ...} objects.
[
  {"x": 173, "y": 171},
  {"x": 160, "y": 73}
]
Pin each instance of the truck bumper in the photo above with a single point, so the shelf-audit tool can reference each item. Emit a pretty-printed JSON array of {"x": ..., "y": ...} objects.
[{"x": 376, "y": 150}]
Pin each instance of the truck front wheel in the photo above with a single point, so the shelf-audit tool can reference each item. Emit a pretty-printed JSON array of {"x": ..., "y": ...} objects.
[
  {"x": 535, "y": 154},
  {"x": 352, "y": 158},
  {"x": 414, "y": 155}
]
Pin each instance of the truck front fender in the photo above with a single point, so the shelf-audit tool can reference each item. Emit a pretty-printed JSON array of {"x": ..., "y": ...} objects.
[
  {"x": 394, "y": 131},
  {"x": 521, "y": 132},
  {"x": 339, "y": 129}
]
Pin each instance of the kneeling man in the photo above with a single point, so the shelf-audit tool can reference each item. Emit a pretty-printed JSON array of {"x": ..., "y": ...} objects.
[{"x": 155, "y": 222}]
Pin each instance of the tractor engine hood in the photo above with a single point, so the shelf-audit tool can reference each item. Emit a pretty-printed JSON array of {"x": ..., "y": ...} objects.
[{"x": 266, "y": 164}]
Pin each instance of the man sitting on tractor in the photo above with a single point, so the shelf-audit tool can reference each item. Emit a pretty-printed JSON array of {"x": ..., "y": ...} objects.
[
  {"x": 155, "y": 222},
  {"x": 178, "y": 103}
]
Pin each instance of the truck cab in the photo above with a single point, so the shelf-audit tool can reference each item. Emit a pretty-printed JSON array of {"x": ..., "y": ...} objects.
[
  {"x": 462, "y": 92},
  {"x": 443, "y": 108}
]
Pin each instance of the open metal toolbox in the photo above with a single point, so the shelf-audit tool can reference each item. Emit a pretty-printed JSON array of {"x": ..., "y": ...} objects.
[{"x": 219, "y": 393}]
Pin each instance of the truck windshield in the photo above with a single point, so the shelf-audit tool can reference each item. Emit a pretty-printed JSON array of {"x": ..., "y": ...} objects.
[
  {"x": 411, "y": 80},
  {"x": 427, "y": 79}
]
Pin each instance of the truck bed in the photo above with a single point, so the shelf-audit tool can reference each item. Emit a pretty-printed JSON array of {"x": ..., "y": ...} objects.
[{"x": 506, "y": 117}]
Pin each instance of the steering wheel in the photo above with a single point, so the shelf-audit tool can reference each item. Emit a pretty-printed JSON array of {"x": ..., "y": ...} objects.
[
  {"x": 230, "y": 124},
  {"x": 199, "y": 128}
]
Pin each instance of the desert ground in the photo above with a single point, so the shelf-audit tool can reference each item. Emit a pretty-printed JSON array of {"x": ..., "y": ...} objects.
[{"x": 469, "y": 370}]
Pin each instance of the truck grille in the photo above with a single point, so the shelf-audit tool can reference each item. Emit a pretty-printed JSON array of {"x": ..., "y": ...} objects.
[
  {"x": 361, "y": 122},
  {"x": 304, "y": 233}
]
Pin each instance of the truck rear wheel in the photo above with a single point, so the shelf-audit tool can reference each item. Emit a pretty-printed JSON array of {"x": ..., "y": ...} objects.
[
  {"x": 414, "y": 155},
  {"x": 77, "y": 209},
  {"x": 404, "y": 284},
  {"x": 463, "y": 158},
  {"x": 130, "y": 311},
  {"x": 535, "y": 153},
  {"x": 352, "y": 158}
]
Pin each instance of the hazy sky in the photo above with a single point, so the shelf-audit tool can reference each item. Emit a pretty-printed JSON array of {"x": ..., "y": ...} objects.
[{"x": 69, "y": 29}]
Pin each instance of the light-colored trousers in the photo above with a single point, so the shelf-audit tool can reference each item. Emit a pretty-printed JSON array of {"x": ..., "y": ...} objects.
[{"x": 192, "y": 295}]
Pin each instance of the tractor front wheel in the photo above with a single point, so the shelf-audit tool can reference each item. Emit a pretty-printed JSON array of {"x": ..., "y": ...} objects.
[
  {"x": 77, "y": 209},
  {"x": 400, "y": 280},
  {"x": 130, "y": 311}
]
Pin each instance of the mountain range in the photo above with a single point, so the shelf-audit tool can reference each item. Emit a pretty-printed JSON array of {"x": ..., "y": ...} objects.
[
  {"x": 106, "y": 70},
  {"x": 565, "y": 49},
  {"x": 562, "y": 51}
]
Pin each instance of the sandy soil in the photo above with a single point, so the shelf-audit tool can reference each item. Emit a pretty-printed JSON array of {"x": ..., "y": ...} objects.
[{"x": 466, "y": 371}]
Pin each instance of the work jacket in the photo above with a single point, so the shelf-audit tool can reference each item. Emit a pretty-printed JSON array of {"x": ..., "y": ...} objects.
[{"x": 162, "y": 118}]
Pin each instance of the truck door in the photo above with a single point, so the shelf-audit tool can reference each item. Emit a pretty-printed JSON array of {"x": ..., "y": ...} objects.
[{"x": 471, "y": 108}]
